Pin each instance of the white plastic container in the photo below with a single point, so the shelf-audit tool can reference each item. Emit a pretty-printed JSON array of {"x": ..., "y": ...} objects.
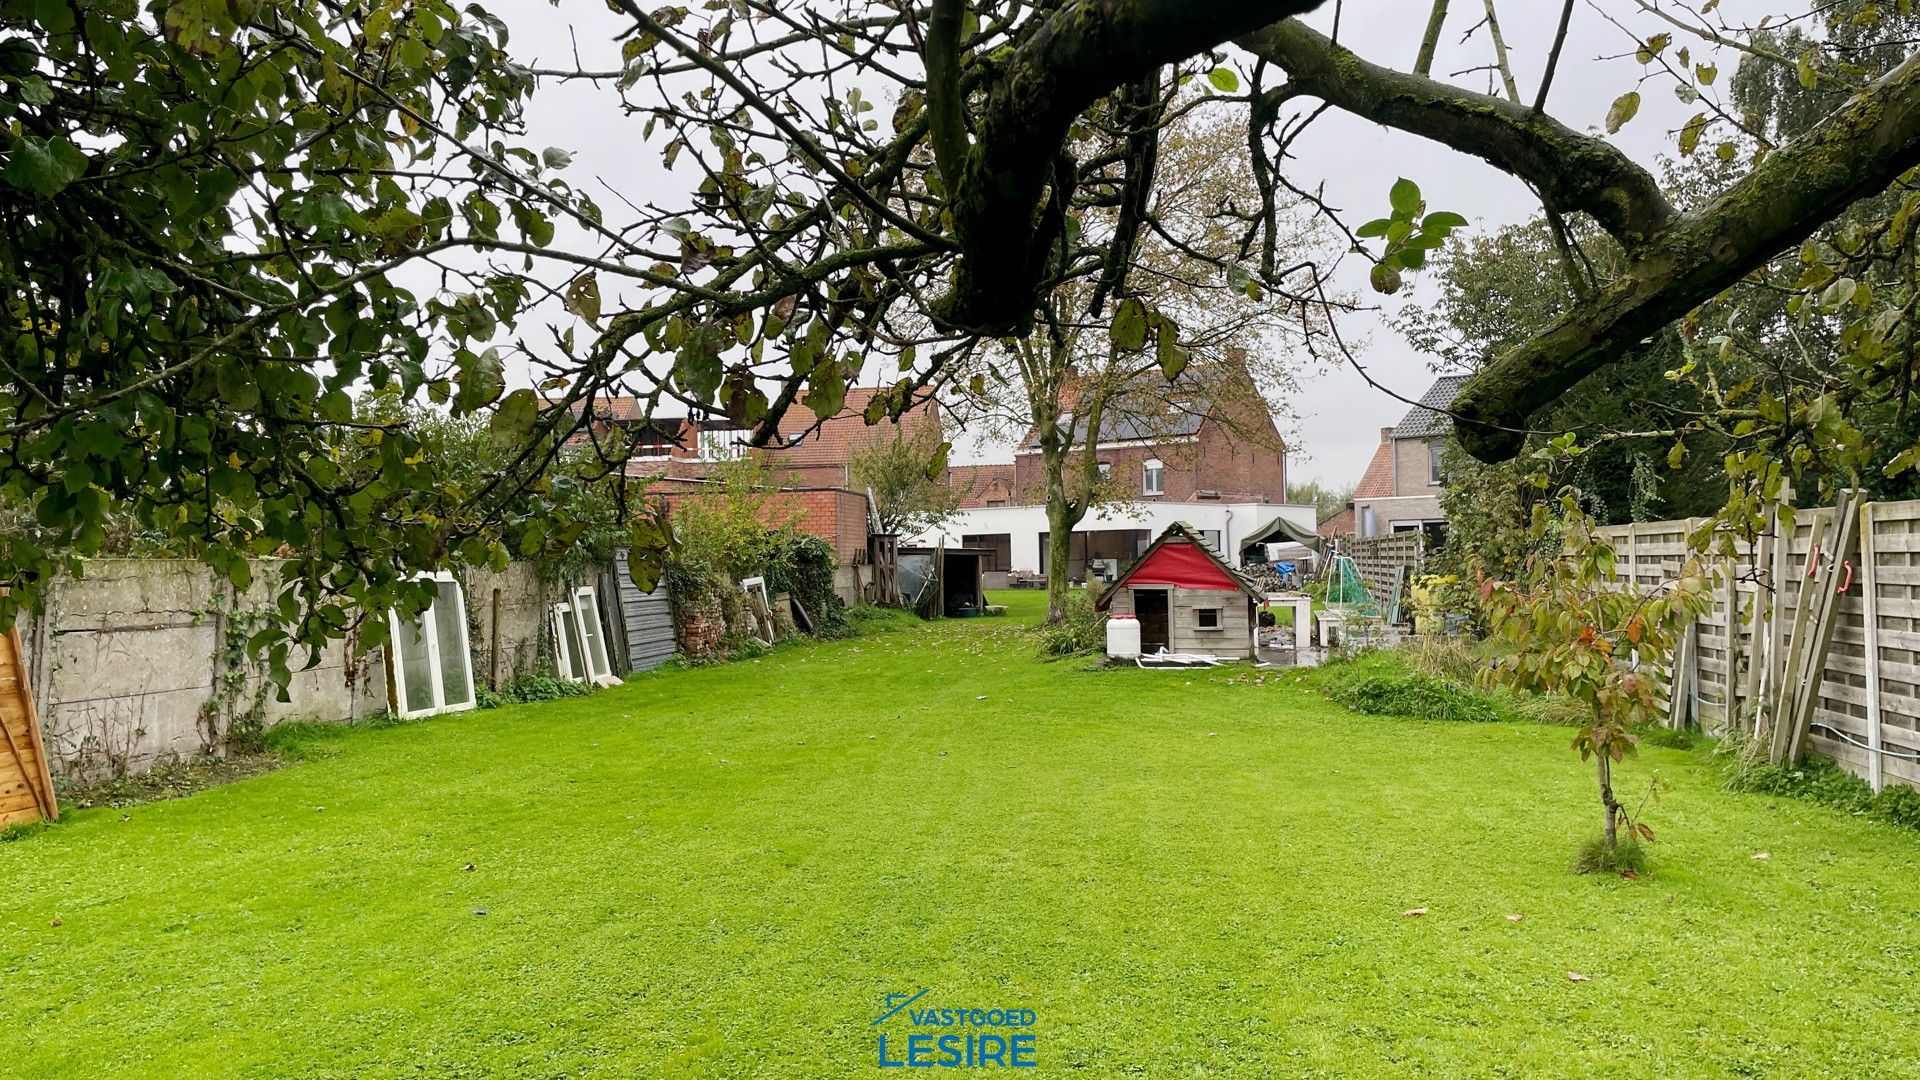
[{"x": 1123, "y": 637}]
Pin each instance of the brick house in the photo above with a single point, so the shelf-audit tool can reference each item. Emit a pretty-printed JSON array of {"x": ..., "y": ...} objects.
[
  {"x": 981, "y": 486},
  {"x": 812, "y": 452},
  {"x": 1214, "y": 461},
  {"x": 1401, "y": 489},
  {"x": 812, "y": 464}
]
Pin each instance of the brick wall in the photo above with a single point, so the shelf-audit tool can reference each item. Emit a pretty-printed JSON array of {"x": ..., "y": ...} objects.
[
  {"x": 833, "y": 514},
  {"x": 1412, "y": 469},
  {"x": 1220, "y": 459}
]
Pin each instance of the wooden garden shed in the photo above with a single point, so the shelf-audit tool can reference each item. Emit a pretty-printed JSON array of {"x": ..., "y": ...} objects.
[
  {"x": 1187, "y": 599},
  {"x": 26, "y": 786}
]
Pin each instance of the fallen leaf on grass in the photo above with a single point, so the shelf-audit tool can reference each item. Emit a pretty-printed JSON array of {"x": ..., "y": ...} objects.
[
  {"x": 1515, "y": 918},
  {"x": 56, "y": 922},
  {"x": 1763, "y": 854},
  {"x": 468, "y": 867},
  {"x": 1574, "y": 976},
  {"x": 1413, "y": 913},
  {"x": 1630, "y": 875}
]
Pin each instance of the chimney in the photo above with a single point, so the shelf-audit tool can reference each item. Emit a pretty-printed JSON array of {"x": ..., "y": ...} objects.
[{"x": 1386, "y": 434}]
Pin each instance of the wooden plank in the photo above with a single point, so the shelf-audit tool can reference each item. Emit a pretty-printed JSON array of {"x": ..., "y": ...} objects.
[
  {"x": 1824, "y": 602},
  {"x": 1870, "y": 597},
  {"x": 1778, "y": 719},
  {"x": 26, "y": 746}
]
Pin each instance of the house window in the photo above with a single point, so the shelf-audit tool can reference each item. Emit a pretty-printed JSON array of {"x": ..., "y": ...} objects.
[
  {"x": 652, "y": 449},
  {"x": 1153, "y": 477},
  {"x": 580, "y": 649},
  {"x": 432, "y": 668},
  {"x": 1206, "y": 618},
  {"x": 1434, "y": 475},
  {"x": 1211, "y": 537},
  {"x": 1106, "y": 468}
]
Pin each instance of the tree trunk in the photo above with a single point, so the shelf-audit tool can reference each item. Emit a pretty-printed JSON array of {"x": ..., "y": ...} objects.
[
  {"x": 1605, "y": 767},
  {"x": 1063, "y": 513},
  {"x": 1059, "y": 553}
]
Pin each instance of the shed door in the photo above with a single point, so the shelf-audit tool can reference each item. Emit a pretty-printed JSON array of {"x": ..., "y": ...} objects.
[{"x": 1150, "y": 607}]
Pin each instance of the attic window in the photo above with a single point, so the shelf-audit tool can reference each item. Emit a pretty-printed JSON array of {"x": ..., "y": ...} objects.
[{"x": 1206, "y": 618}]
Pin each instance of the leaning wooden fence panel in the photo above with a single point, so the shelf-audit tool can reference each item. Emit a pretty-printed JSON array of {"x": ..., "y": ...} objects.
[{"x": 26, "y": 785}]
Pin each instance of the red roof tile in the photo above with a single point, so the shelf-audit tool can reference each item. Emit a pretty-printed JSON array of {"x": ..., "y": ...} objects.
[
  {"x": 981, "y": 484},
  {"x": 1377, "y": 481},
  {"x": 845, "y": 433}
]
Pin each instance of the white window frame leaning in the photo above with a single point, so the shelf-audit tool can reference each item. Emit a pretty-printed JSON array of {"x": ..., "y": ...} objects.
[
  {"x": 1153, "y": 479},
  {"x": 582, "y": 603},
  {"x": 430, "y": 635}
]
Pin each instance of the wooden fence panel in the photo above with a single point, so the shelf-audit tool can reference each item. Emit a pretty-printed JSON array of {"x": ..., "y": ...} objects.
[
  {"x": 1866, "y": 709},
  {"x": 26, "y": 784},
  {"x": 1380, "y": 559}
]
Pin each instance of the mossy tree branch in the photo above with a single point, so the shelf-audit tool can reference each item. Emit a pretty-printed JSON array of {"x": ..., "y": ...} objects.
[
  {"x": 1572, "y": 171},
  {"x": 1080, "y": 54},
  {"x": 1858, "y": 150}
]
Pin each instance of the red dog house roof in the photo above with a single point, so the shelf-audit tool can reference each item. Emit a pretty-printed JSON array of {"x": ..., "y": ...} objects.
[{"x": 1181, "y": 559}]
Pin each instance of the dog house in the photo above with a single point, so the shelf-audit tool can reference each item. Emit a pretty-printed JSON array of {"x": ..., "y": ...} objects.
[{"x": 1186, "y": 599}]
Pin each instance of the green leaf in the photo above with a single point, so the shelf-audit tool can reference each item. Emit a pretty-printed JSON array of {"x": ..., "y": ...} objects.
[
  {"x": 1376, "y": 227},
  {"x": 1442, "y": 219},
  {"x": 1624, "y": 107},
  {"x": 1224, "y": 79},
  {"x": 55, "y": 15},
  {"x": 1129, "y": 329},
  {"x": 44, "y": 166},
  {"x": 583, "y": 297},
  {"x": 1836, "y": 294},
  {"x": 556, "y": 158},
  {"x": 481, "y": 379},
  {"x": 1405, "y": 197},
  {"x": 1173, "y": 359},
  {"x": 1690, "y": 134},
  {"x": 513, "y": 420}
]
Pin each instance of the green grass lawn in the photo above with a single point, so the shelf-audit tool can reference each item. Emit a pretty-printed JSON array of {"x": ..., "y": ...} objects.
[{"x": 719, "y": 873}]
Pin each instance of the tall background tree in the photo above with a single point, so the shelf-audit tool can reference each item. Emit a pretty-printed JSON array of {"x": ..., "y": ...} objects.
[
  {"x": 906, "y": 474},
  {"x": 1221, "y": 350}
]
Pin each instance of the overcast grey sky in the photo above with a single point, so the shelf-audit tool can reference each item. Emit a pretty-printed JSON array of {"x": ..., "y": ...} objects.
[{"x": 1337, "y": 417}]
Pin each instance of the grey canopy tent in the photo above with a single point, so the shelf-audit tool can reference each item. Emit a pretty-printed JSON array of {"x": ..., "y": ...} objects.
[{"x": 1281, "y": 531}]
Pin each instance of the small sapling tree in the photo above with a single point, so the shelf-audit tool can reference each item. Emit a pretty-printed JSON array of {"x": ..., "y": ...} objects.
[{"x": 1572, "y": 627}]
